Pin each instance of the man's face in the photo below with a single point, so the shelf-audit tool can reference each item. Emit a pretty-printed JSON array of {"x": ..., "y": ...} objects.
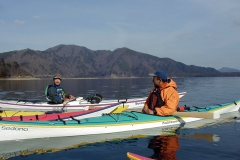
[
  {"x": 157, "y": 82},
  {"x": 57, "y": 81}
]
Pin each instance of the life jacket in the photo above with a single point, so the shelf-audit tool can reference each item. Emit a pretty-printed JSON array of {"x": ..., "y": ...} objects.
[
  {"x": 60, "y": 91},
  {"x": 155, "y": 100}
]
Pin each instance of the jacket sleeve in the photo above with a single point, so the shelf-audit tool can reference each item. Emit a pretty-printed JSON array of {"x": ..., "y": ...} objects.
[
  {"x": 171, "y": 98},
  {"x": 52, "y": 92}
]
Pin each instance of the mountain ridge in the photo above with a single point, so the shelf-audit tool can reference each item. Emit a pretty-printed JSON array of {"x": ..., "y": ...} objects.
[{"x": 74, "y": 61}]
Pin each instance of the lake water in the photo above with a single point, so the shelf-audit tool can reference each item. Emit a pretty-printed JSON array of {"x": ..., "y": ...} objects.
[{"x": 217, "y": 141}]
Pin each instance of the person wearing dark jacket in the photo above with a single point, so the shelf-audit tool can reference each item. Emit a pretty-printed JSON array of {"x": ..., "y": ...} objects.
[{"x": 55, "y": 92}]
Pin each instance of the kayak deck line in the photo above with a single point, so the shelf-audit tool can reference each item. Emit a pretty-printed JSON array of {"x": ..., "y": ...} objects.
[
  {"x": 56, "y": 115},
  {"x": 106, "y": 114},
  {"x": 214, "y": 108},
  {"x": 119, "y": 114},
  {"x": 86, "y": 123}
]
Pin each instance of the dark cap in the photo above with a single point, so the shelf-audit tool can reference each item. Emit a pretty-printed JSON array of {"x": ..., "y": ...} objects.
[
  {"x": 160, "y": 74},
  {"x": 57, "y": 76}
]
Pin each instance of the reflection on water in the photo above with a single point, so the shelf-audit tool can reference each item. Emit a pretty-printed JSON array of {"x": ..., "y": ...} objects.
[
  {"x": 113, "y": 143},
  {"x": 164, "y": 146}
]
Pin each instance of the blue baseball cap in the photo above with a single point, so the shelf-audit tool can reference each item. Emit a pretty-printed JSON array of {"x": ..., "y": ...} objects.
[{"x": 160, "y": 74}]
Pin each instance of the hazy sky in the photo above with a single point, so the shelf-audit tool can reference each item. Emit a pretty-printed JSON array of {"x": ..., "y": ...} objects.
[{"x": 195, "y": 32}]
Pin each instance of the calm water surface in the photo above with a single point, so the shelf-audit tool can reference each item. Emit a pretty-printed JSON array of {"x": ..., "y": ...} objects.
[{"x": 200, "y": 92}]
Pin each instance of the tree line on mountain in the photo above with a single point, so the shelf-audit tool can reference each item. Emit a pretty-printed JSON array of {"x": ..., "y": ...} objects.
[
  {"x": 12, "y": 69},
  {"x": 73, "y": 61}
]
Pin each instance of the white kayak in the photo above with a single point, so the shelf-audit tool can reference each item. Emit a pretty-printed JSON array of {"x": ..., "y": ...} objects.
[
  {"x": 49, "y": 145},
  {"x": 107, "y": 123},
  {"x": 78, "y": 104}
]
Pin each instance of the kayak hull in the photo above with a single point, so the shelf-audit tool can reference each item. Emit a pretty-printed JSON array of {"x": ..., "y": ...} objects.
[
  {"x": 56, "y": 144},
  {"x": 79, "y": 104},
  {"x": 107, "y": 123}
]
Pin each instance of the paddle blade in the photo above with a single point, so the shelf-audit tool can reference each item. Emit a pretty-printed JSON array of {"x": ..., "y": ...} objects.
[
  {"x": 206, "y": 115},
  {"x": 134, "y": 156}
]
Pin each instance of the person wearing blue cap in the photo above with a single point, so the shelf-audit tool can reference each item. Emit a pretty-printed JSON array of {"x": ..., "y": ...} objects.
[
  {"x": 55, "y": 93},
  {"x": 164, "y": 98}
]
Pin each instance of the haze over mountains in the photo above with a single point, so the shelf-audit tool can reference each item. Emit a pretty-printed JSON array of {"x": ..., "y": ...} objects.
[
  {"x": 80, "y": 62},
  {"x": 227, "y": 69}
]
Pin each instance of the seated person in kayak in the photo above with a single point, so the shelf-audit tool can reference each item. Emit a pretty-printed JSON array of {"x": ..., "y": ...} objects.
[
  {"x": 163, "y": 99},
  {"x": 55, "y": 92}
]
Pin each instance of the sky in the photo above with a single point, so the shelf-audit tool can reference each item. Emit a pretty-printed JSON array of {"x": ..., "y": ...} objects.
[{"x": 204, "y": 33}]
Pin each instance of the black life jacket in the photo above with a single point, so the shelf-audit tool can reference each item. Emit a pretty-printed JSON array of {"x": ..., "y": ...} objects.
[{"x": 155, "y": 100}]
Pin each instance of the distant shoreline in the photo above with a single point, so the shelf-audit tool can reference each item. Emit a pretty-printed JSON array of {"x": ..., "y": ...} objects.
[
  {"x": 33, "y": 78},
  {"x": 64, "y": 78},
  {"x": 12, "y": 79}
]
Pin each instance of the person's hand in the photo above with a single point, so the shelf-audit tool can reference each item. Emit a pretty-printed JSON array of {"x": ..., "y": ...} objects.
[
  {"x": 150, "y": 111},
  {"x": 71, "y": 97},
  {"x": 64, "y": 99},
  {"x": 147, "y": 110}
]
